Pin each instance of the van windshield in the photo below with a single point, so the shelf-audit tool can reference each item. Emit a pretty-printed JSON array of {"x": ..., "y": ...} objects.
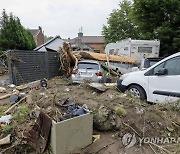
[{"x": 86, "y": 65}]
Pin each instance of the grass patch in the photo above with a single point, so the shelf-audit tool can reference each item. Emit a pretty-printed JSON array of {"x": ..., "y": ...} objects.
[
  {"x": 3, "y": 109},
  {"x": 120, "y": 110},
  {"x": 100, "y": 98},
  {"x": 7, "y": 128},
  {"x": 21, "y": 114},
  {"x": 36, "y": 96}
]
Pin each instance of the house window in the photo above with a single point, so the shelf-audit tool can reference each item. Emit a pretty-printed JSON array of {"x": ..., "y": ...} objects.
[
  {"x": 97, "y": 51},
  {"x": 116, "y": 52},
  {"x": 145, "y": 49},
  {"x": 111, "y": 51}
]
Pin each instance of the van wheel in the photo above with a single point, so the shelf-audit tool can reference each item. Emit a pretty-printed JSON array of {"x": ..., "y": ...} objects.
[{"x": 137, "y": 92}]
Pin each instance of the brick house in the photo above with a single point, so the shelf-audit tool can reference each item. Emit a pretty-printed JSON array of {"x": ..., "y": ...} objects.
[
  {"x": 38, "y": 36},
  {"x": 91, "y": 43}
]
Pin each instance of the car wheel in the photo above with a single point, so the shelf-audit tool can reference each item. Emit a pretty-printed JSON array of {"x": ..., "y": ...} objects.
[{"x": 137, "y": 92}]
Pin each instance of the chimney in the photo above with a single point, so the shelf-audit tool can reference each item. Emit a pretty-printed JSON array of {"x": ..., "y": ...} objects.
[
  {"x": 80, "y": 34},
  {"x": 40, "y": 28}
]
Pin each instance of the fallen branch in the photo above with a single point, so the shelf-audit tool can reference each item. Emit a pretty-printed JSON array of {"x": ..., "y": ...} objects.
[
  {"x": 5, "y": 96},
  {"x": 3, "y": 151},
  {"x": 152, "y": 148},
  {"x": 132, "y": 129},
  {"x": 8, "y": 110},
  {"x": 161, "y": 148}
]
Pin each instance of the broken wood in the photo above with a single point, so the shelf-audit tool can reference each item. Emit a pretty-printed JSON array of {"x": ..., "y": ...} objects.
[
  {"x": 109, "y": 70},
  {"x": 2, "y": 89},
  {"x": 8, "y": 110},
  {"x": 66, "y": 57},
  {"x": 98, "y": 86},
  {"x": 29, "y": 99},
  {"x": 5, "y": 140},
  {"x": 21, "y": 87},
  {"x": 5, "y": 96},
  {"x": 103, "y": 57}
]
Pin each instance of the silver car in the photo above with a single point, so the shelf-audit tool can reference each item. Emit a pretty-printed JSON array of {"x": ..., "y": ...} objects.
[{"x": 88, "y": 70}]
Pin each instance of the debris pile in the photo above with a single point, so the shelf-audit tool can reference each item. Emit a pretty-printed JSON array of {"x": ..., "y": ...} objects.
[
  {"x": 69, "y": 59},
  {"x": 115, "y": 114},
  {"x": 66, "y": 58}
]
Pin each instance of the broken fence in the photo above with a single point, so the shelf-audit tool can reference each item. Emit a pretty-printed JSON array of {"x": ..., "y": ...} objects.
[{"x": 27, "y": 66}]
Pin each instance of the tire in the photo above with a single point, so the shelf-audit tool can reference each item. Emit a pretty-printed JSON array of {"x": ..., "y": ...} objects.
[{"x": 137, "y": 92}]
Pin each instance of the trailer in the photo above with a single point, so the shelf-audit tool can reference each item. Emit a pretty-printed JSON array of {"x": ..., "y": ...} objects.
[{"x": 137, "y": 49}]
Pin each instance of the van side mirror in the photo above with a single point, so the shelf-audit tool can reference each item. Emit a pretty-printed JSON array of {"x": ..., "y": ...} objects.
[{"x": 161, "y": 71}]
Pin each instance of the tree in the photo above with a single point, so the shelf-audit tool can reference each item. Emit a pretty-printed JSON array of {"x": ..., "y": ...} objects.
[
  {"x": 47, "y": 38},
  {"x": 13, "y": 35},
  {"x": 120, "y": 24},
  {"x": 159, "y": 19}
]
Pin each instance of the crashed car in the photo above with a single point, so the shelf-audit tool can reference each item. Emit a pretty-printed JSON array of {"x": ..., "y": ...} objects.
[
  {"x": 159, "y": 83},
  {"x": 88, "y": 70}
]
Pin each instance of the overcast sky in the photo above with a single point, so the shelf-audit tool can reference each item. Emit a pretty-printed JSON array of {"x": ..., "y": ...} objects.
[{"x": 62, "y": 17}]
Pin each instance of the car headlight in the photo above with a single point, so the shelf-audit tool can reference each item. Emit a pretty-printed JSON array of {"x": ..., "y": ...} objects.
[{"x": 124, "y": 76}]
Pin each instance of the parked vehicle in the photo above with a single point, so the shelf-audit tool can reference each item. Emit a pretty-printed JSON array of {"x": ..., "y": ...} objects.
[
  {"x": 88, "y": 70},
  {"x": 159, "y": 83},
  {"x": 137, "y": 49},
  {"x": 148, "y": 62},
  {"x": 122, "y": 68}
]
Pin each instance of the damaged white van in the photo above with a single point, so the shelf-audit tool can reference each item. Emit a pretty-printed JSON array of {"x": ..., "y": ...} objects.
[{"x": 158, "y": 84}]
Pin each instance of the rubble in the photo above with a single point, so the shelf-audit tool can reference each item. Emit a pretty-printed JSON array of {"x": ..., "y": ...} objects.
[
  {"x": 98, "y": 86},
  {"x": 114, "y": 114},
  {"x": 2, "y": 90},
  {"x": 6, "y": 140},
  {"x": 38, "y": 136},
  {"x": 6, "y": 119}
]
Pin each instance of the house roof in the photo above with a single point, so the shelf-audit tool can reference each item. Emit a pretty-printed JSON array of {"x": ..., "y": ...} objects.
[
  {"x": 92, "y": 39},
  {"x": 48, "y": 42},
  {"x": 34, "y": 32},
  {"x": 87, "y": 39}
]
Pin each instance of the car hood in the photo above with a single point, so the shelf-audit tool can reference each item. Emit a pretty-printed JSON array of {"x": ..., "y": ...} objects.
[{"x": 132, "y": 74}]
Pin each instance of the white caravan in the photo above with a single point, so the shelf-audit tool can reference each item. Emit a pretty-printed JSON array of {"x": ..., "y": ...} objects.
[{"x": 137, "y": 49}]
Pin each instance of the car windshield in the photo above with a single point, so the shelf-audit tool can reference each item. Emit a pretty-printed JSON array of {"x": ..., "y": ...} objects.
[
  {"x": 86, "y": 65},
  {"x": 149, "y": 63},
  {"x": 152, "y": 62}
]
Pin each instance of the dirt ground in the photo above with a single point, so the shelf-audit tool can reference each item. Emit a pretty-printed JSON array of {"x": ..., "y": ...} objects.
[{"x": 115, "y": 114}]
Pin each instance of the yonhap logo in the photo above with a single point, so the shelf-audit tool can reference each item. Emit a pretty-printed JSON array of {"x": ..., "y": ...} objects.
[{"x": 129, "y": 140}]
